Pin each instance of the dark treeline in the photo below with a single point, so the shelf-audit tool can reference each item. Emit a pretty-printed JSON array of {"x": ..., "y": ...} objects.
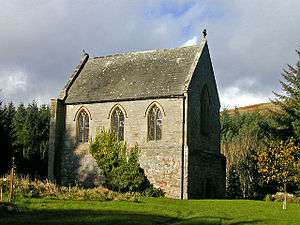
[{"x": 24, "y": 134}]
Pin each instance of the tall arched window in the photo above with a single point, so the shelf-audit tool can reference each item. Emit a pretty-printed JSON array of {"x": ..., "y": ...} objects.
[
  {"x": 83, "y": 127},
  {"x": 205, "y": 111},
  {"x": 154, "y": 123},
  {"x": 117, "y": 123}
]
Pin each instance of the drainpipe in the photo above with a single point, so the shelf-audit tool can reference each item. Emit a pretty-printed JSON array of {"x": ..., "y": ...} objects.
[{"x": 182, "y": 148}]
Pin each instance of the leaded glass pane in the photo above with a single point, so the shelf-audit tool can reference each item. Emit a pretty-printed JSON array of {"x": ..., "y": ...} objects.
[
  {"x": 115, "y": 121},
  {"x": 86, "y": 128},
  {"x": 80, "y": 128},
  {"x": 154, "y": 123},
  {"x": 118, "y": 124},
  {"x": 151, "y": 124},
  {"x": 158, "y": 125},
  {"x": 121, "y": 126},
  {"x": 83, "y": 127}
]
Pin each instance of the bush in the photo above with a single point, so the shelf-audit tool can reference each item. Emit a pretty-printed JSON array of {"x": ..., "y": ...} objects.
[
  {"x": 279, "y": 196},
  {"x": 24, "y": 187},
  {"x": 268, "y": 198},
  {"x": 4, "y": 184},
  {"x": 120, "y": 165}
]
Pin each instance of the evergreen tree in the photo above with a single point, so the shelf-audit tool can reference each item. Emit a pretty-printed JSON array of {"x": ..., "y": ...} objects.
[
  {"x": 31, "y": 134},
  {"x": 7, "y": 113},
  {"x": 3, "y": 152},
  {"x": 233, "y": 184},
  {"x": 288, "y": 117}
]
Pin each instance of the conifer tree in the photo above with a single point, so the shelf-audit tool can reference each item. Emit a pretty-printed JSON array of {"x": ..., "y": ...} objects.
[
  {"x": 288, "y": 117},
  {"x": 233, "y": 186},
  {"x": 6, "y": 149}
]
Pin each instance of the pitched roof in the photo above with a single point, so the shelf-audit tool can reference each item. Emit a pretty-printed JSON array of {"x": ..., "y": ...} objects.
[{"x": 134, "y": 75}]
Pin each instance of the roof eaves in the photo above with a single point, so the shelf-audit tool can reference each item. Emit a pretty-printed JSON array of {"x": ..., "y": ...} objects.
[{"x": 125, "y": 99}]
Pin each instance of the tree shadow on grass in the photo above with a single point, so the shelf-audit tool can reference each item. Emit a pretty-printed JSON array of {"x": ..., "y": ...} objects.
[
  {"x": 107, "y": 217},
  {"x": 213, "y": 220},
  {"x": 85, "y": 217}
]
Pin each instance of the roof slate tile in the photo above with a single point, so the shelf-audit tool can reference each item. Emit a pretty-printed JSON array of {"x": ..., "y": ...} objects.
[{"x": 133, "y": 75}]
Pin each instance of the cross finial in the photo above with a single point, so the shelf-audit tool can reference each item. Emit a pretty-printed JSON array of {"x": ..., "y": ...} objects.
[
  {"x": 204, "y": 32},
  {"x": 83, "y": 55}
]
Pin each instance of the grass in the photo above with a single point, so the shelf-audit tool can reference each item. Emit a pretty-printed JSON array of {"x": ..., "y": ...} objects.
[{"x": 151, "y": 211}]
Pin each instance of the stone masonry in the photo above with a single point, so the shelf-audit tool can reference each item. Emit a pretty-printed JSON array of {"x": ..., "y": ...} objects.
[{"x": 185, "y": 163}]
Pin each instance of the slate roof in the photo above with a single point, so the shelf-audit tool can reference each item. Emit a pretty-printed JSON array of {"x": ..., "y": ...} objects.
[{"x": 134, "y": 75}]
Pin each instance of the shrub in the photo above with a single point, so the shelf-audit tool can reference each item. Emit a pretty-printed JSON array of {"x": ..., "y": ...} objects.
[
  {"x": 279, "y": 196},
  {"x": 4, "y": 184},
  {"x": 24, "y": 187},
  {"x": 268, "y": 198},
  {"x": 120, "y": 165}
]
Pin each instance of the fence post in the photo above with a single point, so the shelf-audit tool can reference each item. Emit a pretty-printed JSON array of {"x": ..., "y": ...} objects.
[{"x": 11, "y": 181}]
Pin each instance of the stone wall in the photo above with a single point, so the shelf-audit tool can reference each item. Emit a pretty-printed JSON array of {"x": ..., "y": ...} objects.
[
  {"x": 185, "y": 163},
  {"x": 161, "y": 159},
  {"x": 206, "y": 165},
  {"x": 57, "y": 122},
  {"x": 206, "y": 176}
]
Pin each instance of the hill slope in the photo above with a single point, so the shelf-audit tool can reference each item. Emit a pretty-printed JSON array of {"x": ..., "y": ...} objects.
[{"x": 262, "y": 108}]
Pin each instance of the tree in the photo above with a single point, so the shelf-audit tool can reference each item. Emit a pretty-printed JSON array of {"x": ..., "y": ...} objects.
[
  {"x": 280, "y": 163},
  {"x": 30, "y": 138},
  {"x": 288, "y": 117},
  {"x": 233, "y": 184},
  {"x": 7, "y": 113},
  {"x": 242, "y": 136},
  {"x": 118, "y": 163}
]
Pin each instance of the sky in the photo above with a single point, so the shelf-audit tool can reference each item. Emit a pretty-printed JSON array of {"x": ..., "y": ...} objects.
[{"x": 250, "y": 41}]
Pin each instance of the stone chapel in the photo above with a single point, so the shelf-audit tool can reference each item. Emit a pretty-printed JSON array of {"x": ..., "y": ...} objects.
[{"x": 164, "y": 100}]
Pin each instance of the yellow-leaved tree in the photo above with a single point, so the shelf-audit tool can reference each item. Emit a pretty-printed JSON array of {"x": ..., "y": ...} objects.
[{"x": 280, "y": 163}]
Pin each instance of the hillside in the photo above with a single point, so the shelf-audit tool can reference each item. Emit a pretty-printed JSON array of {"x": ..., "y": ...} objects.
[{"x": 262, "y": 108}]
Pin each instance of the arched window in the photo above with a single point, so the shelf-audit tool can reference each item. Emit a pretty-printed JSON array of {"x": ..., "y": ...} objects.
[
  {"x": 154, "y": 123},
  {"x": 117, "y": 123},
  {"x": 205, "y": 111},
  {"x": 83, "y": 127}
]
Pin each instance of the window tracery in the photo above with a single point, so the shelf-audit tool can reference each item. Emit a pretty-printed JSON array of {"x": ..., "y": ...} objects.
[{"x": 154, "y": 123}]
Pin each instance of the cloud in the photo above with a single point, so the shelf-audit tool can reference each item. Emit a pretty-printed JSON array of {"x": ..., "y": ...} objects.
[
  {"x": 234, "y": 97},
  {"x": 250, "y": 41},
  {"x": 191, "y": 41},
  {"x": 13, "y": 82}
]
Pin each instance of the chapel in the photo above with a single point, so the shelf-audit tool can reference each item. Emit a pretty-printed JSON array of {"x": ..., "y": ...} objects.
[{"x": 164, "y": 100}]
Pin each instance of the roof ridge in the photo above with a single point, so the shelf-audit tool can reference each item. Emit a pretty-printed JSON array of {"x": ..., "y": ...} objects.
[
  {"x": 143, "y": 52},
  {"x": 196, "y": 59}
]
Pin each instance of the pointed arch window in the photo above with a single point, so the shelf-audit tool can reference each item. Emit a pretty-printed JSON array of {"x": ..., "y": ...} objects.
[
  {"x": 83, "y": 127},
  {"x": 205, "y": 111},
  {"x": 117, "y": 123},
  {"x": 154, "y": 123}
]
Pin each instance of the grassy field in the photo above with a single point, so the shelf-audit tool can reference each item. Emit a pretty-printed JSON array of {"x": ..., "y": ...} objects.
[{"x": 151, "y": 211}]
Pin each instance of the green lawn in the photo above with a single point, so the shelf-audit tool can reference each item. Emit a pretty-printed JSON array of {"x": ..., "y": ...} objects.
[{"x": 152, "y": 211}]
